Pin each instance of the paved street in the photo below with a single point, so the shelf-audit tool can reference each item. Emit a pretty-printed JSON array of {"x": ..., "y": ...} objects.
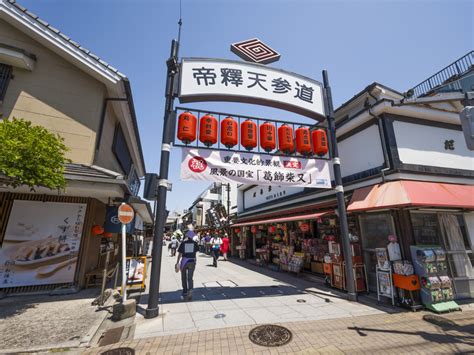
[
  {"x": 401, "y": 333},
  {"x": 238, "y": 293}
]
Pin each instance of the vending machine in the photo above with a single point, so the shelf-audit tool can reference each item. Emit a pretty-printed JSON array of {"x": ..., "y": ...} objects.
[{"x": 436, "y": 286}]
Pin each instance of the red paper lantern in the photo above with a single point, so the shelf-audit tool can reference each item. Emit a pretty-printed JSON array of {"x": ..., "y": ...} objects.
[
  {"x": 304, "y": 227},
  {"x": 320, "y": 142},
  {"x": 253, "y": 229},
  {"x": 303, "y": 142},
  {"x": 248, "y": 134},
  {"x": 285, "y": 139},
  {"x": 272, "y": 229},
  {"x": 97, "y": 230},
  {"x": 187, "y": 124},
  {"x": 267, "y": 136},
  {"x": 229, "y": 133},
  {"x": 208, "y": 130},
  {"x": 237, "y": 230}
]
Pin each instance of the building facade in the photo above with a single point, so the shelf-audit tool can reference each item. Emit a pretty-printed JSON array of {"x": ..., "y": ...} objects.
[
  {"x": 407, "y": 172},
  {"x": 56, "y": 83}
]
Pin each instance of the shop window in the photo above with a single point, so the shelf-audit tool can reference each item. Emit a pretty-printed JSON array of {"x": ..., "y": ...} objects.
[
  {"x": 425, "y": 228},
  {"x": 456, "y": 245},
  {"x": 375, "y": 229}
]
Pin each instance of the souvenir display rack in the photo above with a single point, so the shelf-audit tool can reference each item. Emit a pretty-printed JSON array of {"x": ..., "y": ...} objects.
[{"x": 436, "y": 286}]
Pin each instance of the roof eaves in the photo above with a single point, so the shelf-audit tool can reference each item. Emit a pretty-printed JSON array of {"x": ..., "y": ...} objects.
[
  {"x": 367, "y": 89},
  {"x": 65, "y": 37},
  {"x": 131, "y": 105}
]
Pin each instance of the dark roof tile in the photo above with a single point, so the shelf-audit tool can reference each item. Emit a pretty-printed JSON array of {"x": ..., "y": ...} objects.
[
  {"x": 17, "y": 5},
  {"x": 29, "y": 13},
  {"x": 43, "y": 22},
  {"x": 54, "y": 29}
]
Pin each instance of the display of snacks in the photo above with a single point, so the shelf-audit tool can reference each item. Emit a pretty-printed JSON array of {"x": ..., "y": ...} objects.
[
  {"x": 445, "y": 281},
  {"x": 296, "y": 263}
]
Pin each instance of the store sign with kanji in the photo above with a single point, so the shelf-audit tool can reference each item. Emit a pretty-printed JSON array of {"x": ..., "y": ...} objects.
[
  {"x": 256, "y": 169},
  {"x": 225, "y": 80}
]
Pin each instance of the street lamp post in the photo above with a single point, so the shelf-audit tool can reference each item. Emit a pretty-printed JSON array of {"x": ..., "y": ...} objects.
[{"x": 168, "y": 127}]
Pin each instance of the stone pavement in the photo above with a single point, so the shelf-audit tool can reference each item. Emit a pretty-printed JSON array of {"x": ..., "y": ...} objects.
[
  {"x": 401, "y": 333},
  {"x": 238, "y": 293},
  {"x": 36, "y": 322}
]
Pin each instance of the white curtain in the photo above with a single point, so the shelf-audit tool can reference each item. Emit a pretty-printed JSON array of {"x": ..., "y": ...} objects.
[{"x": 455, "y": 243}]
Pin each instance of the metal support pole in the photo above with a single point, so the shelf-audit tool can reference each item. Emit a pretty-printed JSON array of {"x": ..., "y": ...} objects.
[
  {"x": 228, "y": 205},
  {"x": 346, "y": 245},
  {"x": 160, "y": 213},
  {"x": 124, "y": 260}
]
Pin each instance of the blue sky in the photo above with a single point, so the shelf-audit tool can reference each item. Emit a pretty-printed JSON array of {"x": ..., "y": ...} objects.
[{"x": 396, "y": 43}]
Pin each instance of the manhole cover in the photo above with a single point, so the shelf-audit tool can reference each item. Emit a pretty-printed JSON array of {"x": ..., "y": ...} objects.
[
  {"x": 219, "y": 315},
  {"x": 301, "y": 301},
  {"x": 119, "y": 351},
  {"x": 270, "y": 335}
]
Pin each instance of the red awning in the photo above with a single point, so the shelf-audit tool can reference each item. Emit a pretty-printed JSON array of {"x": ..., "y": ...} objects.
[
  {"x": 282, "y": 219},
  {"x": 412, "y": 193}
]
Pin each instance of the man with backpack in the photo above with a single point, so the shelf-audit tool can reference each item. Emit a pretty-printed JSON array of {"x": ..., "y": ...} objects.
[{"x": 186, "y": 263}]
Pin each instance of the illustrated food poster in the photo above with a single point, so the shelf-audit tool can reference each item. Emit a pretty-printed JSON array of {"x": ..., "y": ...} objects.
[{"x": 41, "y": 243}]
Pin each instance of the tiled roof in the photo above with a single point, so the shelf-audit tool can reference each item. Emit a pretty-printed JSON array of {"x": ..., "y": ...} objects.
[
  {"x": 89, "y": 171},
  {"x": 65, "y": 37}
]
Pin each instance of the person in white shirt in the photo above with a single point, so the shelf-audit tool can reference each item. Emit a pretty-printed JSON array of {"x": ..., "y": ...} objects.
[{"x": 215, "y": 249}]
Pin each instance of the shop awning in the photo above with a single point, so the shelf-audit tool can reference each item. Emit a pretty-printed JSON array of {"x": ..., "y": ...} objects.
[
  {"x": 282, "y": 219},
  {"x": 412, "y": 193}
]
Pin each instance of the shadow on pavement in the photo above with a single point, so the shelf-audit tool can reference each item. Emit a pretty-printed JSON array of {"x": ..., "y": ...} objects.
[
  {"x": 14, "y": 305},
  {"x": 451, "y": 335},
  {"x": 315, "y": 285},
  {"x": 223, "y": 293}
]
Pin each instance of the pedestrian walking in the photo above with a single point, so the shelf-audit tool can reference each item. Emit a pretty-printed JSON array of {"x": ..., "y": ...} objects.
[
  {"x": 186, "y": 263},
  {"x": 215, "y": 249},
  {"x": 173, "y": 245},
  {"x": 207, "y": 241},
  {"x": 202, "y": 244},
  {"x": 225, "y": 246}
]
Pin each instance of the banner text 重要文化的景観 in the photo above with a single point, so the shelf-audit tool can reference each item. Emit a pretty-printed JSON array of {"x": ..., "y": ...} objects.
[{"x": 253, "y": 168}]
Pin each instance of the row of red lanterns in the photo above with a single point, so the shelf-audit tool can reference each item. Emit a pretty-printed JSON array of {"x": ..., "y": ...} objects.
[{"x": 208, "y": 130}]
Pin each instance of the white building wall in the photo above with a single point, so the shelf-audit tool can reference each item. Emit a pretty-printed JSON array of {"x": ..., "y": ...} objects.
[
  {"x": 425, "y": 145},
  {"x": 361, "y": 151}
]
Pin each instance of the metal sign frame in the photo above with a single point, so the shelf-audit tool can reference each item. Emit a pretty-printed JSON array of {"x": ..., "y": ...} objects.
[{"x": 234, "y": 96}]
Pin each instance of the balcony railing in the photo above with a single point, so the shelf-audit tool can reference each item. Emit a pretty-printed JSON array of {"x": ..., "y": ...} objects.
[{"x": 446, "y": 75}]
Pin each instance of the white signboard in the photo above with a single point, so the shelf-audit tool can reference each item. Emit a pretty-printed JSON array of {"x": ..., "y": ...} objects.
[
  {"x": 256, "y": 169},
  {"x": 259, "y": 195},
  {"x": 226, "y": 80},
  {"x": 41, "y": 243}
]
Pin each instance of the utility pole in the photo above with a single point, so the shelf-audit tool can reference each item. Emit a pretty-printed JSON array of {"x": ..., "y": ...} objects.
[
  {"x": 341, "y": 206},
  {"x": 160, "y": 215}
]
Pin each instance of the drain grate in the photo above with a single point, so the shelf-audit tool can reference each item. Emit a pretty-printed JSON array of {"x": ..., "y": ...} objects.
[
  {"x": 111, "y": 336},
  {"x": 270, "y": 335},
  {"x": 119, "y": 351},
  {"x": 300, "y": 300},
  {"x": 219, "y": 315}
]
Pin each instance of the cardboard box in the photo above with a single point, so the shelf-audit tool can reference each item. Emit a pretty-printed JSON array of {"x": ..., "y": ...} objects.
[{"x": 317, "y": 267}]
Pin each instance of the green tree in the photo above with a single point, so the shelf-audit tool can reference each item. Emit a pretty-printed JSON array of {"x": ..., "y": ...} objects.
[{"x": 31, "y": 155}]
